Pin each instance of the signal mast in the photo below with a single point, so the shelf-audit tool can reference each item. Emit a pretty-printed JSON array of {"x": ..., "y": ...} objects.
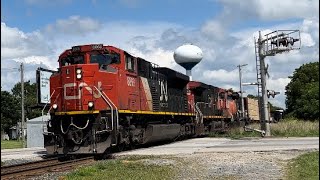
[{"x": 276, "y": 42}]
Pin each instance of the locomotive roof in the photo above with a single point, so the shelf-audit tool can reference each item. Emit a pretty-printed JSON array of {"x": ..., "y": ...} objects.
[
  {"x": 172, "y": 74},
  {"x": 200, "y": 85}
]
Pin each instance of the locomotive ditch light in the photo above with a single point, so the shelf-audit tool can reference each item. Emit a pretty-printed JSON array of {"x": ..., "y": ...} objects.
[
  {"x": 90, "y": 105},
  {"x": 54, "y": 106}
]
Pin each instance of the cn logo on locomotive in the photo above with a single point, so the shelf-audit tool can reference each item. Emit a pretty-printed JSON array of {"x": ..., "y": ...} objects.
[
  {"x": 68, "y": 86},
  {"x": 163, "y": 91}
]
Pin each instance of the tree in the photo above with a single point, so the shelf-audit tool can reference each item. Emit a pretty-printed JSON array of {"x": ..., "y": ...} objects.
[
  {"x": 252, "y": 96},
  {"x": 10, "y": 111},
  {"x": 302, "y": 92},
  {"x": 30, "y": 93}
]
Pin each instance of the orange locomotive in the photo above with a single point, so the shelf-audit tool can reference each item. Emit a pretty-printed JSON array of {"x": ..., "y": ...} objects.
[{"x": 103, "y": 97}]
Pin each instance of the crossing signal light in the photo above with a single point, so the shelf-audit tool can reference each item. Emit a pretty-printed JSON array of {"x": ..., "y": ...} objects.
[
  {"x": 284, "y": 41},
  {"x": 272, "y": 93}
]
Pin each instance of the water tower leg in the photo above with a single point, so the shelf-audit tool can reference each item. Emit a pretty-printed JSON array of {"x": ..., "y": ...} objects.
[{"x": 189, "y": 74}]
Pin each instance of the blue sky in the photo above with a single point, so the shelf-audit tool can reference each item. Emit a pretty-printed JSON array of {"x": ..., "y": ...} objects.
[
  {"x": 36, "y": 14},
  {"x": 35, "y": 32}
]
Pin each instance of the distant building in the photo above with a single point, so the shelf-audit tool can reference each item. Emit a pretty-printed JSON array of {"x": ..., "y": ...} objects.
[{"x": 15, "y": 131}]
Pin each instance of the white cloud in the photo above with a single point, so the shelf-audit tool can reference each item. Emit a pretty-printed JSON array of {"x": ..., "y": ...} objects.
[
  {"x": 74, "y": 25},
  {"x": 214, "y": 29},
  {"x": 17, "y": 44},
  {"x": 278, "y": 84},
  {"x": 221, "y": 75},
  {"x": 158, "y": 56}
]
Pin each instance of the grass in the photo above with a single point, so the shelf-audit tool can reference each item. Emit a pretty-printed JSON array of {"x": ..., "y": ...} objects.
[
  {"x": 295, "y": 128},
  {"x": 11, "y": 144},
  {"x": 129, "y": 169},
  {"x": 305, "y": 166},
  {"x": 285, "y": 128}
]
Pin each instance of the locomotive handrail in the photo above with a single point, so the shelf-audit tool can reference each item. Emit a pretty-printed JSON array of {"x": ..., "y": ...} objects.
[
  {"x": 117, "y": 113},
  {"x": 106, "y": 100},
  {"x": 44, "y": 109},
  {"x": 199, "y": 111},
  {"x": 47, "y": 102},
  {"x": 111, "y": 105}
]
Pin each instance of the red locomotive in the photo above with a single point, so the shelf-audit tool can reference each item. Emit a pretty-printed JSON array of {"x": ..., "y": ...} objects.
[{"x": 103, "y": 97}]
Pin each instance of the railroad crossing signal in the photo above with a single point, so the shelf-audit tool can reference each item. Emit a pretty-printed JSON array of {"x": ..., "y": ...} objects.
[{"x": 273, "y": 43}]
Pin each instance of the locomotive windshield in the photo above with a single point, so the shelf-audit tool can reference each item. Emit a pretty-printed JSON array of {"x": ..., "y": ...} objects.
[
  {"x": 104, "y": 59},
  {"x": 70, "y": 60}
]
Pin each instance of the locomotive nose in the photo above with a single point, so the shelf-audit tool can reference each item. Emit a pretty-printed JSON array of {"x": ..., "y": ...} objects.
[{"x": 73, "y": 82}]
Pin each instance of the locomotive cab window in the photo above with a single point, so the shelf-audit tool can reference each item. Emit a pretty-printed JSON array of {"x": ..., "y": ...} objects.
[
  {"x": 222, "y": 95},
  {"x": 104, "y": 59},
  {"x": 130, "y": 63},
  {"x": 70, "y": 60},
  {"x": 229, "y": 97}
]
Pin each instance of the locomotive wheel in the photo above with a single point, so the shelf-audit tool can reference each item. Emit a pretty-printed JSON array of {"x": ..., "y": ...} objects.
[
  {"x": 120, "y": 147},
  {"x": 132, "y": 146}
]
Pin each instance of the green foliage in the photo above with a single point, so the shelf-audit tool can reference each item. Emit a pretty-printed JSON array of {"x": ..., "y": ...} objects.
[
  {"x": 295, "y": 128},
  {"x": 284, "y": 128},
  {"x": 305, "y": 166},
  {"x": 10, "y": 110},
  {"x": 302, "y": 92},
  {"x": 252, "y": 96},
  {"x": 11, "y": 105},
  {"x": 30, "y": 93}
]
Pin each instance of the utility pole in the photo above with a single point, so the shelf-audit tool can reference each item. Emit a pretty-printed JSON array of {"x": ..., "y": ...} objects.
[
  {"x": 22, "y": 106},
  {"x": 241, "y": 92}
]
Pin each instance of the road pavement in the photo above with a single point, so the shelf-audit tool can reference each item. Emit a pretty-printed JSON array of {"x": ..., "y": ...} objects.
[{"x": 203, "y": 145}]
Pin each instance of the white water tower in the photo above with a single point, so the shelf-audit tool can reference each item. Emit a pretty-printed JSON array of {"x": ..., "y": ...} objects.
[{"x": 188, "y": 56}]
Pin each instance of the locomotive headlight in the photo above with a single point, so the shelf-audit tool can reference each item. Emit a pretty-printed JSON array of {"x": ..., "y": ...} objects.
[
  {"x": 79, "y": 71},
  {"x": 54, "y": 106},
  {"x": 90, "y": 104},
  {"x": 79, "y": 76}
]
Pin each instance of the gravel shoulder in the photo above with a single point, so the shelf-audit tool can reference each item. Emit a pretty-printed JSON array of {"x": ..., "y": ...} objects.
[
  {"x": 235, "y": 165},
  {"x": 267, "y": 165}
]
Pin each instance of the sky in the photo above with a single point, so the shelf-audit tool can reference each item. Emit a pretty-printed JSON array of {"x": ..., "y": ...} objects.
[{"x": 36, "y": 32}]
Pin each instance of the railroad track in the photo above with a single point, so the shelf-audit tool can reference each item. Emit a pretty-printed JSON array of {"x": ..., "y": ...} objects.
[{"x": 36, "y": 168}]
